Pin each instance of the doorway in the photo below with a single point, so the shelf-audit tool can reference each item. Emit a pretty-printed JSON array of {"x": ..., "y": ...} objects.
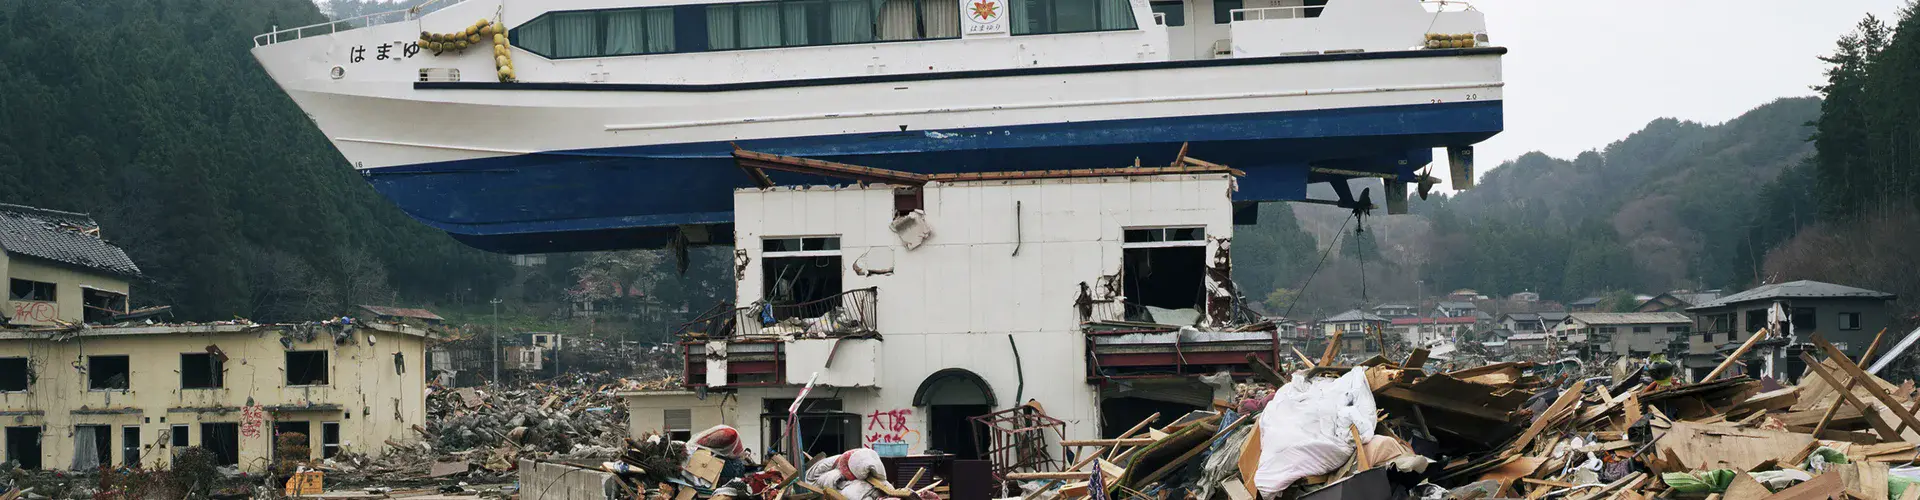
[
  {"x": 23, "y": 447},
  {"x": 292, "y": 443},
  {"x": 92, "y": 447},
  {"x": 952, "y": 397}
]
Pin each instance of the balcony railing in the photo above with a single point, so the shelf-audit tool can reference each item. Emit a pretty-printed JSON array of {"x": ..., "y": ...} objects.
[{"x": 853, "y": 312}]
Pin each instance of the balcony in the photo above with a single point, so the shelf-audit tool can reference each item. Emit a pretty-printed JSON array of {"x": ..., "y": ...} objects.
[
  {"x": 837, "y": 337},
  {"x": 1131, "y": 341}
]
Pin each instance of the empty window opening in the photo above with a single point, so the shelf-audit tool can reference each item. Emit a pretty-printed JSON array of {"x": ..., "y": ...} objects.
[
  {"x": 16, "y": 375},
  {"x": 178, "y": 436},
  {"x": 306, "y": 367},
  {"x": 92, "y": 447},
  {"x": 1643, "y": 329},
  {"x": 31, "y": 291},
  {"x": 1849, "y": 321},
  {"x": 799, "y": 271},
  {"x": 1803, "y": 320},
  {"x": 679, "y": 424},
  {"x": 102, "y": 305},
  {"x": 223, "y": 439},
  {"x": 130, "y": 446},
  {"x": 825, "y": 429},
  {"x": 329, "y": 439},
  {"x": 23, "y": 447},
  {"x": 1131, "y": 410},
  {"x": 108, "y": 373},
  {"x": 1164, "y": 274},
  {"x": 292, "y": 442},
  {"x": 199, "y": 370},
  {"x": 1756, "y": 319}
]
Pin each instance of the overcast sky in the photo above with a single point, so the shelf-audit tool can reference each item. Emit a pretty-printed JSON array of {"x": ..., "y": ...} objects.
[{"x": 1582, "y": 74}]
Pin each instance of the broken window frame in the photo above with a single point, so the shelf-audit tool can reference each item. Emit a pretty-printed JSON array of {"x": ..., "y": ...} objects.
[
  {"x": 1849, "y": 321},
  {"x": 1163, "y": 236},
  {"x": 326, "y": 369},
  {"x": 26, "y": 374},
  {"x": 113, "y": 303},
  {"x": 25, "y": 290},
  {"x": 93, "y": 368},
  {"x": 668, "y": 418},
  {"x": 217, "y": 372},
  {"x": 824, "y": 246}
]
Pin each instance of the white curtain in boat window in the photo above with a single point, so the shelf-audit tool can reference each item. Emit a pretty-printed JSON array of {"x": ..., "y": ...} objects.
[
  {"x": 795, "y": 19},
  {"x": 660, "y": 30},
  {"x": 576, "y": 34},
  {"x": 1116, "y": 15},
  {"x": 898, "y": 20},
  {"x": 626, "y": 32},
  {"x": 851, "y": 20},
  {"x": 759, "y": 24},
  {"x": 536, "y": 36},
  {"x": 940, "y": 18},
  {"x": 720, "y": 24}
]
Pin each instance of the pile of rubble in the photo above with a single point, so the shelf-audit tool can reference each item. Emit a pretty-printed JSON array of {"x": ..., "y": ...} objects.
[
  {"x": 478, "y": 434},
  {"x": 1389, "y": 429}
]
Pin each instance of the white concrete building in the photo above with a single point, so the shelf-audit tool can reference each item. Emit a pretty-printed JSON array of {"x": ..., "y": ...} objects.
[{"x": 914, "y": 309}]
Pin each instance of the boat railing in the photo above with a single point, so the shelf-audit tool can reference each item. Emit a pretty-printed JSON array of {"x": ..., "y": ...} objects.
[
  {"x": 334, "y": 26},
  {"x": 1443, "y": 5},
  {"x": 1261, "y": 14}
]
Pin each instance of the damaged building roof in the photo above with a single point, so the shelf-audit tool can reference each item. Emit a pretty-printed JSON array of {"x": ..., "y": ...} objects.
[
  {"x": 239, "y": 326},
  {"x": 1803, "y": 289},
  {"x": 66, "y": 237},
  {"x": 403, "y": 312},
  {"x": 1354, "y": 315}
]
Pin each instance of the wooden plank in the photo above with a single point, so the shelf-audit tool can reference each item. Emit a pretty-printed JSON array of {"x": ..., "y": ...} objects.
[
  {"x": 1250, "y": 462},
  {"x": 1873, "y": 388},
  {"x": 1833, "y": 407},
  {"x": 1822, "y": 487},
  {"x": 1359, "y": 449},
  {"x": 1548, "y": 483},
  {"x": 1751, "y": 339},
  {"x": 1415, "y": 360},
  {"x": 1441, "y": 402},
  {"x": 1333, "y": 349},
  {"x": 1303, "y": 356},
  {"x": 1567, "y": 398},
  {"x": 1880, "y": 426},
  {"x": 1068, "y": 475},
  {"x": 1108, "y": 442},
  {"x": 1264, "y": 371},
  {"x": 1744, "y": 487}
]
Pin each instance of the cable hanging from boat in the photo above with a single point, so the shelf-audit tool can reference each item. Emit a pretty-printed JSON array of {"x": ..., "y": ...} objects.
[{"x": 1316, "y": 267}]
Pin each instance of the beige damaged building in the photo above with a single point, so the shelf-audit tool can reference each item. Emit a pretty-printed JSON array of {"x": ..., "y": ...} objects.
[{"x": 75, "y": 394}]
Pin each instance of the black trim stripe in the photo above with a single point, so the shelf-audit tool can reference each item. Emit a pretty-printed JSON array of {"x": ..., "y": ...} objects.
[{"x": 955, "y": 75}]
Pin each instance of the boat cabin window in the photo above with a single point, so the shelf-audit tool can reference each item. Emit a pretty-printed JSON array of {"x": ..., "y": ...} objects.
[
  {"x": 1223, "y": 10},
  {"x": 1175, "y": 12},
  {"x": 735, "y": 26},
  {"x": 1035, "y": 17}
]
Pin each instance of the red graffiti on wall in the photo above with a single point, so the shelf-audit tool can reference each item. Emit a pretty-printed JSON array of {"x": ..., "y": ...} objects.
[
  {"x": 252, "y": 418},
  {"x": 891, "y": 426},
  {"x": 44, "y": 312}
]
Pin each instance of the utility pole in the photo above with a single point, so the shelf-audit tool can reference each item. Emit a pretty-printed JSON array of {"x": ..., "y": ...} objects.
[{"x": 496, "y": 340}]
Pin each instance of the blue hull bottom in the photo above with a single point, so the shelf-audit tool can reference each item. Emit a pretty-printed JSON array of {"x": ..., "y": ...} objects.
[{"x": 635, "y": 196}]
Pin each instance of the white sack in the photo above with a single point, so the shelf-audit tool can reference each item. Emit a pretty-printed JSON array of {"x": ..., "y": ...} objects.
[{"x": 1303, "y": 431}]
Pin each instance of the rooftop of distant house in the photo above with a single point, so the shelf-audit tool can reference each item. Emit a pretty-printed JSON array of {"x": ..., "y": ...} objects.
[
  {"x": 65, "y": 237},
  {"x": 1438, "y": 320},
  {"x": 1656, "y": 318},
  {"x": 1457, "y": 305},
  {"x": 1521, "y": 337},
  {"x": 403, "y": 312},
  {"x": 229, "y": 326},
  {"x": 1589, "y": 301},
  {"x": 1803, "y": 289},
  {"x": 1353, "y": 315}
]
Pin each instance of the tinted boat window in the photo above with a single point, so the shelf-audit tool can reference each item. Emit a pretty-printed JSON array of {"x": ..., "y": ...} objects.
[
  {"x": 732, "y": 26},
  {"x": 1034, "y": 17},
  {"x": 1223, "y": 10},
  {"x": 1175, "y": 12}
]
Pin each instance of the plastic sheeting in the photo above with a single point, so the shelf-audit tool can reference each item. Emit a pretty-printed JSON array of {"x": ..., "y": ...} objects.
[{"x": 1304, "y": 430}]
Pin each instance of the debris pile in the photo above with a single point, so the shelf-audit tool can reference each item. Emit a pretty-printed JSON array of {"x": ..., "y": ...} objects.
[{"x": 1387, "y": 429}]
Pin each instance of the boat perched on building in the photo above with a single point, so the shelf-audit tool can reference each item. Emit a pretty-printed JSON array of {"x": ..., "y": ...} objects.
[{"x": 610, "y": 123}]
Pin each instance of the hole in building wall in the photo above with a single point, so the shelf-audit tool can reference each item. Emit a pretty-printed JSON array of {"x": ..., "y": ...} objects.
[
  {"x": 223, "y": 439},
  {"x": 1164, "y": 278},
  {"x": 800, "y": 280},
  {"x": 109, "y": 373},
  {"x": 102, "y": 305},
  {"x": 306, "y": 367}
]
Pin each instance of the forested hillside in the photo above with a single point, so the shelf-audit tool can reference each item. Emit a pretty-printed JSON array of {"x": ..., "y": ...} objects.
[{"x": 151, "y": 115}]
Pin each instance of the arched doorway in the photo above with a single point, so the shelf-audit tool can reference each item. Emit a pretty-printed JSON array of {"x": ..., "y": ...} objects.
[{"x": 951, "y": 397}]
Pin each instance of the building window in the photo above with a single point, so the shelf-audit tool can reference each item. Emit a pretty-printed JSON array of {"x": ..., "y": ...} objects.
[
  {"x": 679, "y": 424},
  {"x": 306, "y": 368},
  {"x": 1607, "y": 329},
  {"x": 1174, "y": 12},
  {"x": 1803, "y": 320},
  {"x": 23, "y": 447},
  {"x": 1681, "y": 329},
  {"x": 108, "y": 373},
  {"x": 1035, "y": 17},
  {"x": 31, "y": 291},
  {"x": 799, "y": 270},
  {"x": 178, "y": 437},
  {"x": 1849, "y": 321},
  {"x": 1223, "y": 10},
  {"x": 15, "y": 375},
  {"x": 329, "y": 439},
  {"x": 1643, "y": 329},
  {"x": 1756, "y": 319},
  {"x": 732, "y": 26},
  {"x": 199, "y": 370},
  {"x": 101, "y": 305},
  {"x": 130, "y": 445}
]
